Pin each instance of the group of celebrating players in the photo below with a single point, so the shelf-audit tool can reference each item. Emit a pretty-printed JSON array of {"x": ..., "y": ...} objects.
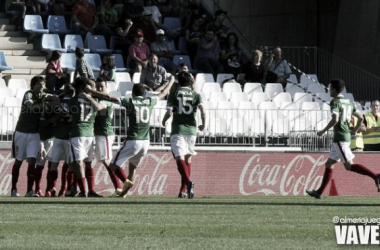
[{"x": 73, "y": 126}]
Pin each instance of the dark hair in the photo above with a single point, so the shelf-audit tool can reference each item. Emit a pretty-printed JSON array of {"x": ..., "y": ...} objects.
[
  {"x": 69, "y": 90},
  {"x": 79, "y": 52},
  {"x": 101, "y": 79},
  {"x": 35, "y": 80},
  {"x": 110, "y": 61},
  {"x": 55, "y": 55},
  {"x": 138, "y": 90},
  {"x": 184, "y": 79},
  {"x": 79, "y": 84},
  {"x": 337, "y": 84},
  {"x": 182, "y": 64},
  {"x": 151, "y": 55},
  {"x": 236, "y": 38}
]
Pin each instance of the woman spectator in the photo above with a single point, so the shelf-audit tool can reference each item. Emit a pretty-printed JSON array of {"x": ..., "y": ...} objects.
[
  {"x": 108, "y": 70},
  {"x": 55, "y": 77},
  {"x": 254, "y": 70},
  {"x": 230, "y": 55}
]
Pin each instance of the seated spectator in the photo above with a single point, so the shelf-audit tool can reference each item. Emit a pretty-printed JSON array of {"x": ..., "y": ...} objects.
[
  {"x": 193, "y": 11},
  {"x": 21, "y": 8},
  {"x": 123, "y": 39},
  {"x": 108, "y": 69},
  {"x": 279, "y": 66},
  {"x": 148, "y": 26},
  {"x": 138, "y": 52},
  {"x": 193, "y": 34},
  {"x": 157, "y": 17},
  {"x": 133, "y": 10},
  {"x": 218, "y": 27},
  {"x": 86, "y": 20},
  {"x": 43, "y": 5},
  {"x": 108, "y": 15},
  {"x": 60, "y": 7},
  {"x": 154, "y": 77},
  {"x": 82, "y": 68},
  {"x": 163, "y": 50},
  {"x": 207, "y": 58},
  {"x": 55, "y": 77},
  {"x": 185, "y": 68},
  {"x": 168, "y": 7},
  {"x": 254, "y": 70},
  {"x": 230, "y": 55}
]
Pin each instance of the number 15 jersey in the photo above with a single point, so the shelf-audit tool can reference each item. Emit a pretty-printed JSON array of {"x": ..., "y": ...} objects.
[
  {"x": 344, "y": 109},
  {"x": 184, "y": 103}
]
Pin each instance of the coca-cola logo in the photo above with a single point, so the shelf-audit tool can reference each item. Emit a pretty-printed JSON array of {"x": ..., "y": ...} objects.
[
  {"x": 153, "y": 182},
  {"x": 293, "y": 179},
  {"x": 5, "y": 173}
]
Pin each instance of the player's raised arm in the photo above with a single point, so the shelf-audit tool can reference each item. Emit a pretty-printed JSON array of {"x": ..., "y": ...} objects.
[
  {"x": 103, "y": 96},
  {"x": 96, "y": 105},
  {"x": 167, "y": 88}
]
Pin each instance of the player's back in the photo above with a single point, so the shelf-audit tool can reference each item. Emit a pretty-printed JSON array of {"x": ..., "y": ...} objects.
[
  {"x": 83, "y": 117},
  {"x": 184, "y": 103},
  {"x": 63, "y": 127},
  {"x": 103, "y": 120},
  {"x": 344, "y": 108},
  {"x": 139, "y": 110},
  {"x": 28, "y": 121}
]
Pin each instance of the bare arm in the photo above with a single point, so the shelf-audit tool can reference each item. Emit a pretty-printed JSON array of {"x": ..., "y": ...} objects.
[
  {"x": 96, "y": 105},
  {"x": 203, "y": 118},
  {"x": 334, "y": 120},
  {"x": 167, "y": 115},
  {"x": 103, "y": 96},
  {"x": 167, "y": 88}
]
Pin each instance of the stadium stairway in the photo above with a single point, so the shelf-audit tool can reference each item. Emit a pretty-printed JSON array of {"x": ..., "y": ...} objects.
[{"x": 25, "y": 59}]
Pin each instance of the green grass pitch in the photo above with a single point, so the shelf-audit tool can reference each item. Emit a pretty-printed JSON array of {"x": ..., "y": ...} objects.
[{"x": 213, "y": 222}]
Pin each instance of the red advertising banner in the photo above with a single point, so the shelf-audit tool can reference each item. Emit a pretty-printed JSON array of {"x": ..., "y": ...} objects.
[{"x": 226, "y": 173}]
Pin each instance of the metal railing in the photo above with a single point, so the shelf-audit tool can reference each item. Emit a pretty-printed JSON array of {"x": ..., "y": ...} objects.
[{"x": 228, "y": 127}]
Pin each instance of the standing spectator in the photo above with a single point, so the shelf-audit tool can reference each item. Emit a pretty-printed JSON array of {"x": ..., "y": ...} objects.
[
  {"x": 108, "y": 69},
  {"x": 55, "y": 77},
  {"x": 108, "y": 15},
  {"x": 357, "y": 143},
  {"x": 154, "y": 76},
  {"x": 133, "y": 10},
  {"x": 147, "y": 25},
  {"x": 279, "y": 66},
  {"x": 218, "y": 27},
  {"x": 163, "y": 50},
  {"x": 254, "y": 70},
  {"x": 193, "y": 34},
  {"x": 230, "y": 55},
  {"x": 372, "y": 123},
  {"x": 138, "y": 52},
  {"x": 82, "y": 68},
  {"x": 123, "y": 39},
  {"x": 21, "y": 8},
  {"x": 341, "y": 110},
  {"x": 86, "y": 20},
  {"x": 207, "y": 58},
  {"x": 183, "y": 103}
]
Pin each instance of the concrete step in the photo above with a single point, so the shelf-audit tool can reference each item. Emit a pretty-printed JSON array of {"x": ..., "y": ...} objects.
[
  {"x": 7, "y": 27},
  {"x": 15, "y": 43},
  {"x": 27, "y": 77},
  {"x": 27, "y": 62},
  {"x": 23, "y": 53},
  {"x": 12, "y": 34},
  {"x": 4, "y": 21}
]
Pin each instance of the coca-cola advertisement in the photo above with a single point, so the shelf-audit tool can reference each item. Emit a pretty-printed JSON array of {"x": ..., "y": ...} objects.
[{"x": 226, "y": 173}]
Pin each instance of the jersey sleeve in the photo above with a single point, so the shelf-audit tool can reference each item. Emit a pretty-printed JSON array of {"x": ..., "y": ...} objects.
[
  {"x": 334, "y": 107},
  {"x": 28, "y": 98},
  {"x": 124, "y": 101}
]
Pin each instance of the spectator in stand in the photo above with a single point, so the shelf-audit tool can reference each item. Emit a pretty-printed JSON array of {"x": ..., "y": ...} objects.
[
  {"x": 154, "y": 77},
  {"x": 182, "y": 67},
  {"x": 163, "y": 50},
  {"x": 108, "y": 69},
  {"x": 148, "y": 26},
  {"x": 230, "y": 55},
  {"x": 123, "y": 38},
  {"x": 133, "y": 10},
  {"x": 193, "y": 34},
  {"x": 207, "y": 58},
  {"x": 254, "y": 70},
  {"x": 157, "y": 17},
  {"x": 192, "y": 13},
  {"x": 82, "y": 68},
  {"x": 22, "y": 8},
  {"x": 168, "y": 7},
  {"x": 60, "y": 7},
  {"x": 108, "y": 15},
  {"x": 43, "y": 5},
  {"x": 372, "y": 123},
  {"x": 86, "y": 20},
  {"x": 218, "y": 27},
  {"x": 279, "y": 66},
  {"x": 55, "y": 77},
  {"x": 138, "y": 52}
]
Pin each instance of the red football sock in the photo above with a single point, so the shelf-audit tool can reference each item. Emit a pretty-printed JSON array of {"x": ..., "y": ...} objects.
[
  {"x": 30, "y": 176},
  {"x": 119, "y": 172},
  {"x": 89, "y": 172},
  {"x": 326, "y": 179},
  {"x": 182, "y": 169},
  {"x": 360, "y": 169},
  {"x": 183, "y": 185},
  {"x": 65, "y": 169},
  {"x": 115, "y": 181},
  {"x": 53, "y": 179},
  {"x": 15, "y": 175}
]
